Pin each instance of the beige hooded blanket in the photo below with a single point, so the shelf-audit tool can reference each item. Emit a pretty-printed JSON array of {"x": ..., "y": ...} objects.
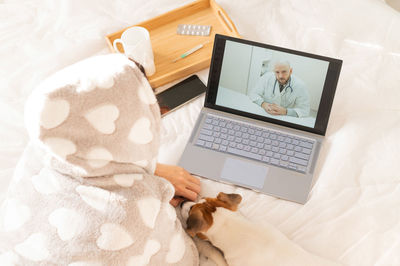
[{"x": 84, "y": 192}]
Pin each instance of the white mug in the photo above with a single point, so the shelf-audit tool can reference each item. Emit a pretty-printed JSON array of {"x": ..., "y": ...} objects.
[{"x": 137, "y": 46}]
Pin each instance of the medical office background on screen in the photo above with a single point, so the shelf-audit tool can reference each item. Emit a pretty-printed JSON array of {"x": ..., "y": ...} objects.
[{"x": 243, "y": 65}]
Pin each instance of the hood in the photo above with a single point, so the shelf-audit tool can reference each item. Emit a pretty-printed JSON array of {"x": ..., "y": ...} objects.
[{"x": 97, "y": 117}]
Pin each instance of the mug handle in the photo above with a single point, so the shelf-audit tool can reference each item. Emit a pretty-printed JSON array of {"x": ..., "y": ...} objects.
[{"x": 116, "y": 47}]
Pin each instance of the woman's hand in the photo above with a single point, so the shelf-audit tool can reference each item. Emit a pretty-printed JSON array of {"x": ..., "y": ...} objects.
[{"x": 186, "y": 185}]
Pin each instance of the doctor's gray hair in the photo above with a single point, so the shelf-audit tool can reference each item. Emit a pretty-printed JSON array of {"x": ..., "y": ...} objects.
[{"x": 281, "y": 62}]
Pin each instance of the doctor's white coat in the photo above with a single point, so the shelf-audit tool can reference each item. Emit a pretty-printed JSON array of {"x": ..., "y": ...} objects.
[{"x": 294, "y": 96}]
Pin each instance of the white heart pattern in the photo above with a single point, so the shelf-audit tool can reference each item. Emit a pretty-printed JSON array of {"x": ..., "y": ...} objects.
[
  {"x": 103, "y": 118},
  {"x": 33, "y": 248},
  {"x": 127, "y": 180},
  {"x": 95, "y": 197},
  {"x": 60, "y": 146},
  {"x": 45, "y": 182},
  {"x": 14, "y": 215},
  {"x": 146, "y": 94},
  {"x": 114, "y": 237},
  {"x": 176, "y": 249},
  {"x": 98, "y": 157},
  {"x": 140, "y": 132},
  {"x": 151, "y": 248},
  {"x": 105, "y": 82},
  {"x": 149, "y": 209},
  {"x": 171, "y": 213},
  {"x": 54, "y": 113},
  {"x": 68, "y": 222}
]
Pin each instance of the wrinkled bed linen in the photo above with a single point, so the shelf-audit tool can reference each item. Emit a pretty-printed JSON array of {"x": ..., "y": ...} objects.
[{"x": 352, "y": 214}]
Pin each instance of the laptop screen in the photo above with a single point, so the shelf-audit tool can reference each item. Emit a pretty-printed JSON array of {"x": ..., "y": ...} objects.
[{"x": 273, "y": 84}]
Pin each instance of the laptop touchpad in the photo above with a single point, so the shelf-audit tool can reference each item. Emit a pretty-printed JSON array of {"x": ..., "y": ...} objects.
[{"x": 244, "y": 173}]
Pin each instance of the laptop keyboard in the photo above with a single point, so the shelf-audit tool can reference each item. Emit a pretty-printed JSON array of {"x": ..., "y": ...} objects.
[{"x": 261, "y": 144}]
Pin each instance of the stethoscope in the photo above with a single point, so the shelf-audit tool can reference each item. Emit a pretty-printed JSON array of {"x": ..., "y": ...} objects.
[{"x": 288, "y": 86}]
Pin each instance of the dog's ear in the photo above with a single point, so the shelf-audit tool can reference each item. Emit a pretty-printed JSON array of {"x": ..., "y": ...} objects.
[
  {"x": 195, "y": 223},
  {"x": 232, "y": 200}
]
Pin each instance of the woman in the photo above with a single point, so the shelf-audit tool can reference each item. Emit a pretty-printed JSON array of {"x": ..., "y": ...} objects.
[{"x": 84, "y": 191}]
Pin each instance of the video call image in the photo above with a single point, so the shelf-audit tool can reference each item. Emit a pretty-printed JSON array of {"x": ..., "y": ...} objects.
[{"x": 271, "y": 83}]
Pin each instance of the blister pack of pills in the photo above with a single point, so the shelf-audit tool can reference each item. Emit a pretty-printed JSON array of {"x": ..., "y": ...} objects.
[{"x": 190, "y": 29}]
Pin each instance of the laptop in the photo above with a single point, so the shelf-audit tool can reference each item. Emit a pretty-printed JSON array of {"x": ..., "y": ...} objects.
[{"x": 264, "y": 118}]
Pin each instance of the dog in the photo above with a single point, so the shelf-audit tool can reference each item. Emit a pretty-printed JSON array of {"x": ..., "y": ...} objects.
[{"x": 242, "y": 241}]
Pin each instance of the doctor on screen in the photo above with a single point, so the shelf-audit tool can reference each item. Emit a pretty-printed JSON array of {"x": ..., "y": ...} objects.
[{"x": 281, "y": 93}]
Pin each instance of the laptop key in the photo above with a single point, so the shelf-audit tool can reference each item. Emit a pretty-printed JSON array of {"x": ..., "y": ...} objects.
[
  {"x": 298, "y": 161},
  {"x": 244, "y": 153},
  {"x": 265, "y": 134},
  {"x": 301, "y": 156},
  {"x": 200, "y": 142},
  {"x": 265, "y": 159},
  {"x": 306, "y": 145},
  {"x": 302, "y": 169},
  {"x": 274, "y": 161},
  {"x": 284, "y": 164},
  {"x": 206, "y": 138},
  {"x": 206, "y": 132},
  {"x": 216, "y": 134},
  {"x": 207, "y": 126}
]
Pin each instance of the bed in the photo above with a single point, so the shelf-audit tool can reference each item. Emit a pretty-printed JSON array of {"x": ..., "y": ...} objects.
[{"x": 353, "y": 213}]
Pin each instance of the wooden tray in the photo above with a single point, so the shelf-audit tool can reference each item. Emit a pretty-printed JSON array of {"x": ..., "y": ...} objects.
[{"x": 168, "y": 45}]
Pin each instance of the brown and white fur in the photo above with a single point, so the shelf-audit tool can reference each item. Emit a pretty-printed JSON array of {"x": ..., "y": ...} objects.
[{"x": 242, "y": 241}]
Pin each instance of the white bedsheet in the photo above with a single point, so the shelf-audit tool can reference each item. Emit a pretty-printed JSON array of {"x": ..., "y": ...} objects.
[{"x": 353, "y": 214}]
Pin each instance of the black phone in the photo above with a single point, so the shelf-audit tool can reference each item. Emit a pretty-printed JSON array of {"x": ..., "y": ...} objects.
[{"x": 180, "y": 93}]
